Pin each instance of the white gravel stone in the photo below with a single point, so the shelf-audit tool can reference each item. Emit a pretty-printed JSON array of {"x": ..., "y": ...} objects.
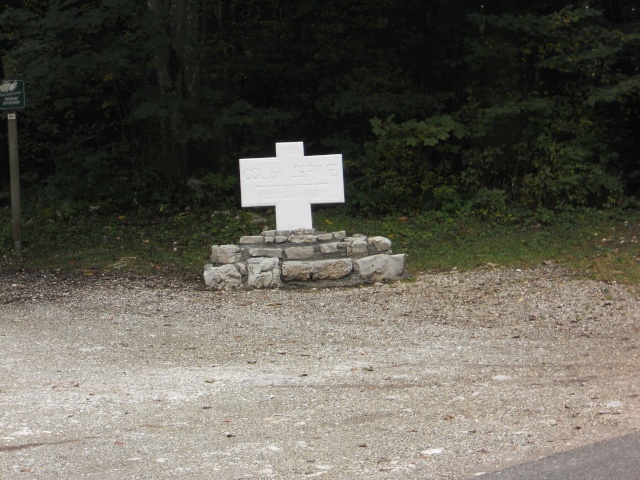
[{"x": 432, "y": 451}]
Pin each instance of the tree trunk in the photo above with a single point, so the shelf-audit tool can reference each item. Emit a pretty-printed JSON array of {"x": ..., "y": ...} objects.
[
  {"x": 612, "y": 10},
  {"x": 178, "y": 74}
]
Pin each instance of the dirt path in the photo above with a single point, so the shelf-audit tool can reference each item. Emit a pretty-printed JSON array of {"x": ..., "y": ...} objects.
[{"x": 445, "y": 377}]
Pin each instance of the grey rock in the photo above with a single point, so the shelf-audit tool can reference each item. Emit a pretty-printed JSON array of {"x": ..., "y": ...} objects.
[
  {"x": 357, "y": 247},
  {"x": 380, "y": 244},
  {"x": 253, "y": 239},
  {"x": 331, "y": 269},
  {"x": 367, "y": 267},
  {"x": 328, "y": 248},
  {"x": 340, "y": 235},
  {"x": 223, "y": 277},
  {"x": 299, "y": 253},
  {"x": 380, "y": 267},
  {"x": 395, "y": 266},
  {"x": 224, "y": 254},
  {"x": 296, "y": 271},
  {"x": 303, "y": 238},
  {"x": 263, "y": 272},
  {"x": 265, "y": 252},
  {"x": 324, "y": 237}
]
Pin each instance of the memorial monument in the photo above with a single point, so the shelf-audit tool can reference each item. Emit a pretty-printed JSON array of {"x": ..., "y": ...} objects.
[
  {"x": 295, "y": 254},
  {"x": 292, "y": 183}
]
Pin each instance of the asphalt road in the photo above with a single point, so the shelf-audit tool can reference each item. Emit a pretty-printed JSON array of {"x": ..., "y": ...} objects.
[{"x": 616, "y": 459}]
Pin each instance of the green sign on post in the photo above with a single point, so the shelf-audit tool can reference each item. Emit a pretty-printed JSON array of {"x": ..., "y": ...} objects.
[
  {"x": 12, "y": 95},
  {"x": 12, "y": 98}
]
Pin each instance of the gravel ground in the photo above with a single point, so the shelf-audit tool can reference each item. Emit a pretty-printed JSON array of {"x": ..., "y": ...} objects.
[{"x": 442, "y": 378}]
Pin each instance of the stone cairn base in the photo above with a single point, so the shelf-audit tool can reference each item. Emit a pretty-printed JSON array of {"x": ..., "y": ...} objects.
[{"x": 302, "y": 258}]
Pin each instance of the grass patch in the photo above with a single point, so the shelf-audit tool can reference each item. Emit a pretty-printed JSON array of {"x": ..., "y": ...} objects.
[
  {"x": 599, "y": 245},
  {"x": 176, "y": 243}
]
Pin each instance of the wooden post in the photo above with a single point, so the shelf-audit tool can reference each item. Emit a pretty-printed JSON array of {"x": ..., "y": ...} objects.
[{"x": 16, "y": 215}]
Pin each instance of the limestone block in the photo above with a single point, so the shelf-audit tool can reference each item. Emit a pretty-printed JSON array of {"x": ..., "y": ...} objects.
[
  {"x": 380, "y": 244},
  {"x": 224, "y": 254},
  {"x": 380, "y": 267},
  {"x": 218, "y": 278},
  {"x": 299, "y": 253},
  {"x": 263, "y": 272},
  {"x": 269, "y": 236},
  {"x": 331, "y": 269},
  {"x": 357, "y": 247},
  {"x": 395, "y": 267},
  {"x": 328, "y": 248},
  {"x": 367, "y": 267},
  {"x": 303, "y": 238},
  {"x": 251, "y": 239},
  {"x": 296, "y": 271},
  {"x": 265, "y": 252},
  {"x": 302, "y": 255}
]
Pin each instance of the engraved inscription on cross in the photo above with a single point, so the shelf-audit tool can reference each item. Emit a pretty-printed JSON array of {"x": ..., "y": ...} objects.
[{"x": 292, "y": 183}]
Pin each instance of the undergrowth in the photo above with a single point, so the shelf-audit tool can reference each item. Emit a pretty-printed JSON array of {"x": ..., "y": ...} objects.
[{"x": 597, "y": 244}]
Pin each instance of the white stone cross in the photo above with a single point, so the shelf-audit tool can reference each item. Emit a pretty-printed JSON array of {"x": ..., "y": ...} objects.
[{"x": 291, "y": 182}]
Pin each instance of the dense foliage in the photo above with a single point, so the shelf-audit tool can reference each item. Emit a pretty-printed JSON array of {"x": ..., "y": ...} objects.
[{"x": 446, "y": 104}]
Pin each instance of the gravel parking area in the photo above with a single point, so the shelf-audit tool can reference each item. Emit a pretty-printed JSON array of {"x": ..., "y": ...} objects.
[{"x": 444, "y": 377}]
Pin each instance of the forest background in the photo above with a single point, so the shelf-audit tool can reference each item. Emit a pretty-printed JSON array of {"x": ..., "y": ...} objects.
[{"x": 501, "y": 108}]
